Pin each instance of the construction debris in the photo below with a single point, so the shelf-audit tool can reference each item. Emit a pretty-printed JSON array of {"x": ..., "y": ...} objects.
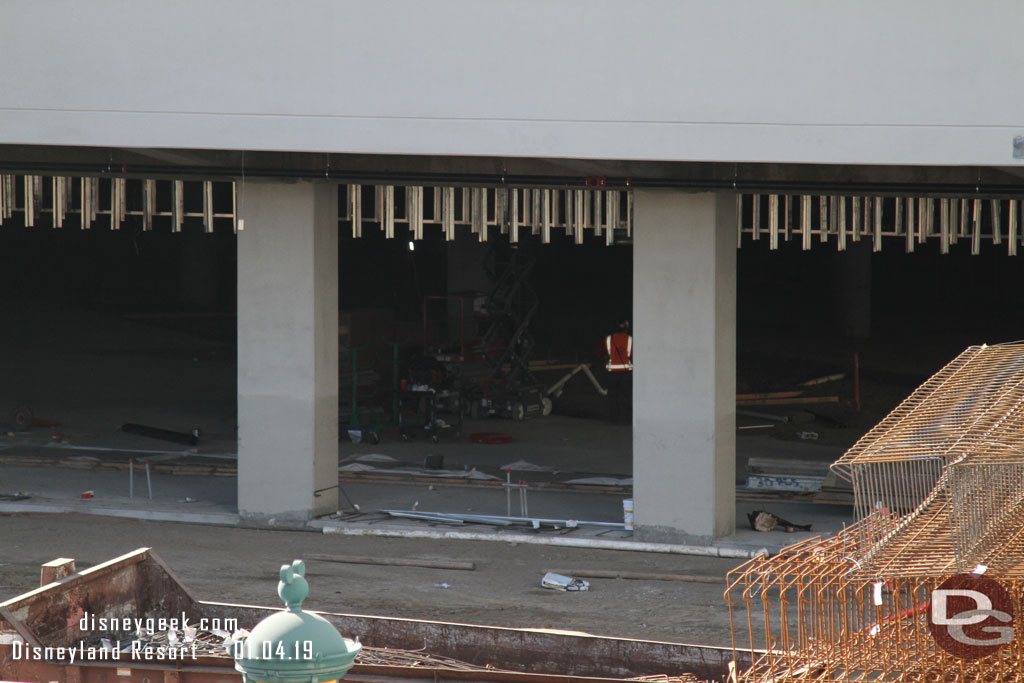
[
  {"x": 762, "y": 416},
  {"x": 828, "y": 419},
  {"x": 789, "y": 474},
  {"x": 784, "y": 482},
  {"x": 762, "y": 520},
  {"x": 555, "y": 390},
  {"x": 497, "y": 520},
  {"x": 560, "y": 582},
  {"x": 190, "y": 439},
  {"x": 822, "y": 380}
]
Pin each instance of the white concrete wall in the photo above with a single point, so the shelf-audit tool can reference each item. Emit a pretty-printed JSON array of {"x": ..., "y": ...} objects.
[
  {"x": 684, "y": 360},
  {"x": 865, "y": 81},
  {"x": 287, "y": 351}
]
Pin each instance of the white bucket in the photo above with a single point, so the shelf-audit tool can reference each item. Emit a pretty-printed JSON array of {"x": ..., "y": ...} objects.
[{"x": 627, "y": 513}]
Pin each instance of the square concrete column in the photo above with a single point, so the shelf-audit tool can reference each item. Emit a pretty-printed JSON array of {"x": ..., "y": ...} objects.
[
  {"x": 287, "y": 351},
  {"x": 684, "y": 357}
]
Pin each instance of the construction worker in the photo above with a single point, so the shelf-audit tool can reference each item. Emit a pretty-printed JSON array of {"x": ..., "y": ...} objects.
[{"x": 619, "y": 347}]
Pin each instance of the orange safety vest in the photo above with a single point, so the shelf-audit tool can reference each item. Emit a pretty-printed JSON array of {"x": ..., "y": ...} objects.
[{"x": 620, "y": 352}]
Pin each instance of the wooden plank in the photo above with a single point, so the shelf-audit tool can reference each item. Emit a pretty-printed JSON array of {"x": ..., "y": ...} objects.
[
  {"x": 755, "y": 217},
  {"x": 944, "y": 226},
  {"x": 545, "y": 218},
  {"x": 787, "y": 217},
  {"x": 997, "y": 229},
  {"x": 535, "y": 199},
  {"x": 739, "y": 219},
  {"x": 858, "y": 215},
  {"x": 825, "y": 211},
  {"x": 922, "y": 220},
  {"x": 394, "y": 561},
  {"x": 148, "y": 203},
  {"x": 513, "y": 217},
  {"x": 636, "y": 576},
  {"x": 877, "y": 244},
  {"x": 54, "y": 570},
  {"x": 1011, "y": 242},
  {"x": 388, "y": 211},
  {"x": 208, "y": 205},
  {"x": 29, "y": 201},
  {"x": 976, "y": 228},
  {"x": 910, "y": 224},
  {"x": 448, "y": 213},
  {"x": 787, "y": 401},
  {"x": 841, "y": 223},
  {"x": 611, "y": 218},
  {"x": 483, "y": 214},
  {"x": 769, "y": 394},
  {"x": 954, "y": 220},
  {"x": 629, "y": 214},
  {"x": 805, "y": 222},
  {"x": 501, "y": 209}
]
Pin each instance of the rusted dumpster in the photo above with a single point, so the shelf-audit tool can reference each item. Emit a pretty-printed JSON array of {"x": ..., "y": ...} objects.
[{"x": 50, "y": 635}]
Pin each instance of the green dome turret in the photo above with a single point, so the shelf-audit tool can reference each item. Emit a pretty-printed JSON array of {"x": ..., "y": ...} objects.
[{"x": 294, "y": 646}]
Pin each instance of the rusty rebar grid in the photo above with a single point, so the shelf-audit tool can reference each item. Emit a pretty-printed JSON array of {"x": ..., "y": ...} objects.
[
  {"x": 939, "y": 491},
  {"x": 822, "y": 622}
]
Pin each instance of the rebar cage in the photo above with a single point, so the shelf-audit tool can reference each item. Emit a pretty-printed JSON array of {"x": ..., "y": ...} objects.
[
  {"x": 969, "y": 414},
  {"x": 818, "y": 619},
  {"x": 939, "y": 491}
]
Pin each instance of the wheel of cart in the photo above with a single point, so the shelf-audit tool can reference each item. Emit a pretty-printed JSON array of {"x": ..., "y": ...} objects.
[{"x": 22, "y": 419}]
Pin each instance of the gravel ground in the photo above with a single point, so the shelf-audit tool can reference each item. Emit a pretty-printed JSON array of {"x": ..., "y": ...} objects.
[{"x": 241, "y": 565}]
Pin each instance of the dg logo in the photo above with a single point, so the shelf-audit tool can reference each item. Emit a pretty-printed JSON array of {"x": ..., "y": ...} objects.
[{"x": 971, "y": 616}]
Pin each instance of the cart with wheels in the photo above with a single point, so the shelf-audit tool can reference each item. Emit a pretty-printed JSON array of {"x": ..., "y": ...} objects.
[{"x": 418, "y": 410}]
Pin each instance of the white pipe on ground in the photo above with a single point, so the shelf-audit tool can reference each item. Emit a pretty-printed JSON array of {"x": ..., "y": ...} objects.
[{"x": 591, "y": 543}]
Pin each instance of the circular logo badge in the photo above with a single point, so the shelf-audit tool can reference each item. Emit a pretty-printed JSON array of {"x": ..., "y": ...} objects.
[{"x": 971, "y": 617}]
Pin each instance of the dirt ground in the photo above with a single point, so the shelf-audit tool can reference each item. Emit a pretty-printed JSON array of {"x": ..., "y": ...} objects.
[{"x": 241, "y": 565}]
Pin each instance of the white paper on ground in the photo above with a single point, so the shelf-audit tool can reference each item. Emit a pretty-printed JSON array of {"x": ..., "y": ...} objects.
[
  {"x": 524, "y": 466},
  {"x": 560, "y": 582}
]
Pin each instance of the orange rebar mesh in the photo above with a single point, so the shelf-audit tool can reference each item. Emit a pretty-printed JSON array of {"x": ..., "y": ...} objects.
[
  {"x": 939, "y": 489},
  {"x": 817, "y": 620},
  {"x": 970, "y": 413}
]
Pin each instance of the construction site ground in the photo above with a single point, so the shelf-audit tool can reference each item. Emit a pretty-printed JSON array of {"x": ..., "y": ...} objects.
[
  {"x": 221, "y": 561},
  {"x": 85, "y": 373}
]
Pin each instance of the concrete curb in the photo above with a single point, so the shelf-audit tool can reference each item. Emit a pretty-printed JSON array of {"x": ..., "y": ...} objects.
[
  {"x": 327, "y": 527},
  {"x": 224, "y": 519},
  {"x": 591, "y": 543}
]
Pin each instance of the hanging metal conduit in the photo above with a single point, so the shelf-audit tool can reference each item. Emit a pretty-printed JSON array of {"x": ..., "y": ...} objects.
[
  {"x": 593, "y": 215},
  {"x": 913, "y": 221}
]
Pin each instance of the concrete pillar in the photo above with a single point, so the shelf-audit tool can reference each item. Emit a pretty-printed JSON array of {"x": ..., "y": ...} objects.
[
  {"x": 684, "y": 349},
  {"x": 287, "y": 351}
]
